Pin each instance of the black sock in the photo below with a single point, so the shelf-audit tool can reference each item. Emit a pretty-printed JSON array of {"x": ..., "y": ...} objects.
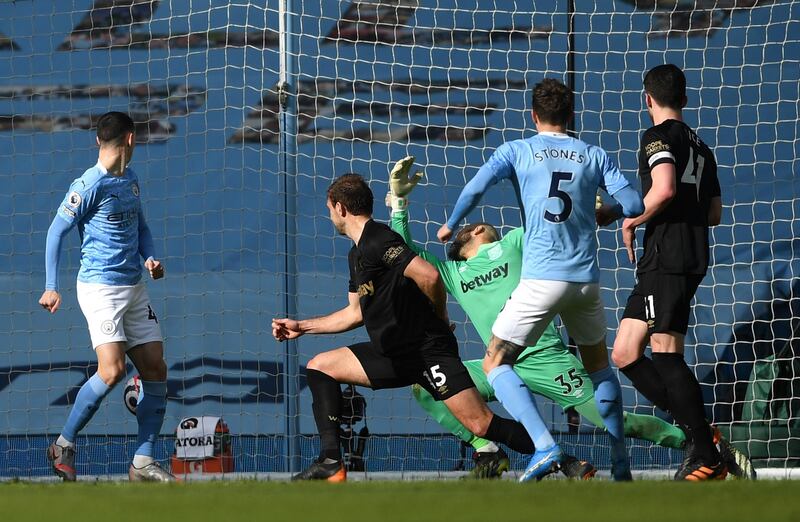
[
  {"x": 327, "y": 405},
  {"x": 646, "y": 379},
  {"x": 511, "y": 433},
  {"x": 686, "y": 402}
]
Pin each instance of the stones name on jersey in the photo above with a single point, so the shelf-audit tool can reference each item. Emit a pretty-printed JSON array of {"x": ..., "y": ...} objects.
[
  {"x": 498, "y": 272},
  {"x": 554, "y": 153}
]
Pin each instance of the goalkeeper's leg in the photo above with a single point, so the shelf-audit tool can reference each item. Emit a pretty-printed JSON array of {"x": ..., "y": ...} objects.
[
  {"x": 645, "y": 427},
  {"x": 490, "y": 460},
  {"x": 558, "y": 375}
]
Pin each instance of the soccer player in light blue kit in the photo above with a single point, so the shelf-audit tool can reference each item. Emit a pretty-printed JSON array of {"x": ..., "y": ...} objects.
[
  {"x": 104, "y": 204},
  {"x": 556, "y": 179}
]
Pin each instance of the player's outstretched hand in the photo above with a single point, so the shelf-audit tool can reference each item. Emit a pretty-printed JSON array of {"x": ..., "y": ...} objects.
[
  {"x": 629, "y": 238},
  {"x": 155, "y": 268},
  {"x": 400, "y": 183},
  {"x": 444, "y": 233},
  {"x": 284, "y": 329},
  {"x": 50, "y": 300}
]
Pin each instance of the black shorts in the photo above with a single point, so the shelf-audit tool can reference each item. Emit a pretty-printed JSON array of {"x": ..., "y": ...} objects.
[
  {"x": 663, "y": 301},
  {"x": 435, "y": 366}
]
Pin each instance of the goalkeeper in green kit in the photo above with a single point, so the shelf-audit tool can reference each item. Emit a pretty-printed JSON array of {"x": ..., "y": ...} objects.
[{"x": 482, "y": 272}]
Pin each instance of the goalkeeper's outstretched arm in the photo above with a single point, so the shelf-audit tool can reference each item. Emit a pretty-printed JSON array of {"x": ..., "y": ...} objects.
[
  {"x": 399, "y": 224},
  {"x": 400, "y": 186}
]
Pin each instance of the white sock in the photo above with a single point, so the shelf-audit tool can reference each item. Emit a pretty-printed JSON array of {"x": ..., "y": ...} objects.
[
  {"x": 64, "y": 443},
  {"x": 140, "y": 461},
  {"x": 489, "y": 448}
]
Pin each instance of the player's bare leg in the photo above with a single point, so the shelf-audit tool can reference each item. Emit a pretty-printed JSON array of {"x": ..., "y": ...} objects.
[
  {"x": 670, "y": 342},
  {"x": 628, "y": 355},
  {"x": 149, "y": 361},
  {"x": 111, "y": 362},
  {"x": 342, "y": 365},
  {"x": 594, "y": 356},
  {"x": 630, "y": 342},
  {"x": 110, "y": 370},
  {"x": 469, "y": 408}
]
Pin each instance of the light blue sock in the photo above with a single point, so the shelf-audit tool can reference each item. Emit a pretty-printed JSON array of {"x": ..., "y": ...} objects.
[
  {"x": 150, "y": 415},
  {"x": 516, "y": 399},
  {"x": 608, "y": 396},
  {"x": 86, "y": 403}
]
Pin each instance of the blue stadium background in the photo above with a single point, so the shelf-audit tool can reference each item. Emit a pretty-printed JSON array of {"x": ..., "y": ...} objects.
[{"x": 213, "y": 201}]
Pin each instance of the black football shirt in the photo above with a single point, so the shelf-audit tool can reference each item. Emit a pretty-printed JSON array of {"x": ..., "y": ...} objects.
[
  {"x": 397, "y": 315},
  {"x": 676, "y": 240}
]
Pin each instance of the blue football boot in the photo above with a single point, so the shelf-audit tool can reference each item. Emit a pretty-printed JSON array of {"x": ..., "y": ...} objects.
[{"x": 542, "y": 464}]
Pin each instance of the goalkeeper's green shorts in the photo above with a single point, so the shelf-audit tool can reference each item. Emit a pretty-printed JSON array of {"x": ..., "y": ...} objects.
[{"x": 552, "y": 372}]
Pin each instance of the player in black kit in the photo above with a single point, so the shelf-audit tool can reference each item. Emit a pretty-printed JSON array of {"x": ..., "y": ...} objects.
[
  {"x": 682, "y": 200},
  {"x": 400, "y": 299}
]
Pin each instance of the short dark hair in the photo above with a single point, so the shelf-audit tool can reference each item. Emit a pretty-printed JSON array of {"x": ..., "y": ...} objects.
[
  {"x": 666, "y": 84},
  {"x": 353, "y": 192},
  {"x": 462, "y": 237},
  {"x": 553, "y": 101},
  {"x": 113, "y": 126}
]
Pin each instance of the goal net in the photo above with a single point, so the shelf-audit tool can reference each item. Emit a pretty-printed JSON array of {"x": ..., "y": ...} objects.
[{"x": 444, "y": 80}]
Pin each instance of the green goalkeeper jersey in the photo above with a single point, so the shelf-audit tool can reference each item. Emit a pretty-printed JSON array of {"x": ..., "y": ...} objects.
[{"x": 483, "y": 283}]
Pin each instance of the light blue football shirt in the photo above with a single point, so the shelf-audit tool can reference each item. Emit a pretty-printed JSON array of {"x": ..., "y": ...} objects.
[
  {"x": 556, "y": 178},
  {"x": 106, "y": 210}
]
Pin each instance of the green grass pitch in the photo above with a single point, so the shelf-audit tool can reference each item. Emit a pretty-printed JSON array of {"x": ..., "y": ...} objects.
[{"x": 441, "y": 501}]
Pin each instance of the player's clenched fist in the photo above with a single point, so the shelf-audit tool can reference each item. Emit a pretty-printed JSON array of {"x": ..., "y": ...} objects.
[
  {"x": 284, "y": 329},
  {"x": 444, "y": 233},
  {"x": 50, "y": 300},
  {"x": 155, "y": 268}
]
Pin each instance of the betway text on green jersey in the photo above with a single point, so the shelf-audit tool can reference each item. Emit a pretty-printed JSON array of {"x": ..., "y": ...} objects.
[{"x": 483, "y": 283}]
